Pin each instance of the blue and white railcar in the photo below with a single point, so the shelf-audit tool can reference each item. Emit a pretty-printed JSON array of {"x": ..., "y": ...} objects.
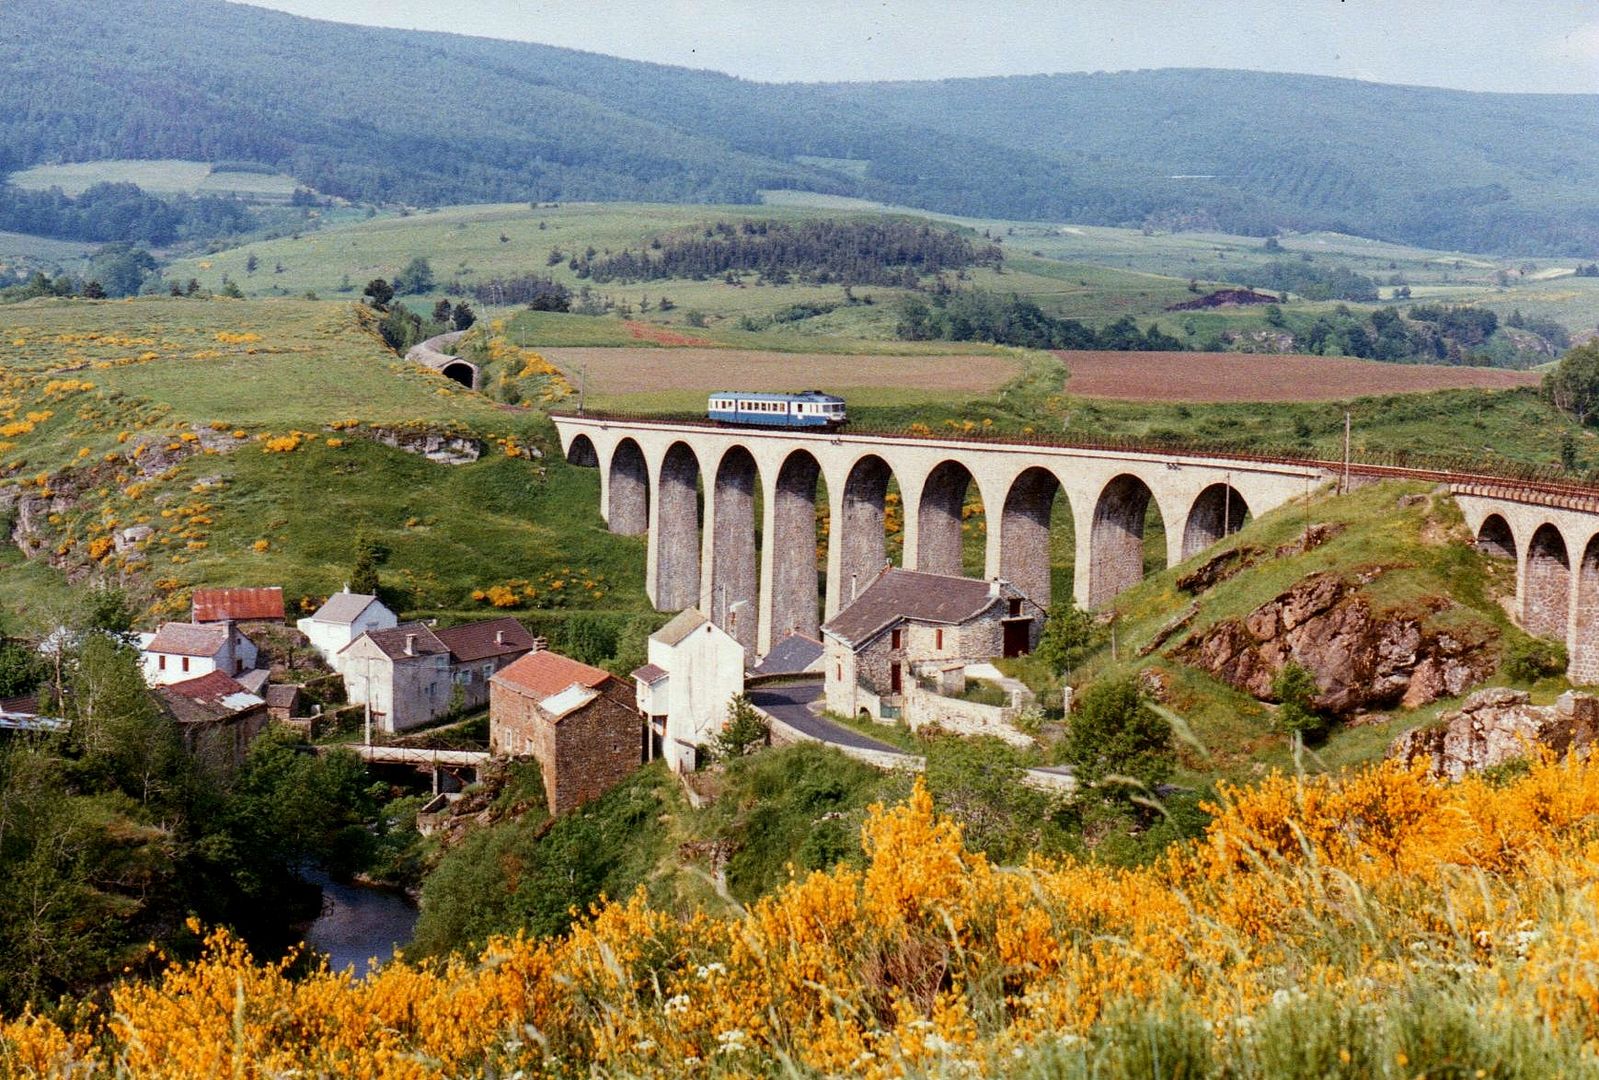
[{"x": 811, "y": 409}]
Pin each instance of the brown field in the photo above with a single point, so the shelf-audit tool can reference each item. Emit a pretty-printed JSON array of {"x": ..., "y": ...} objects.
[
  {"x": 1199, "y": 377},
  {"x": 670, "y": 377}
]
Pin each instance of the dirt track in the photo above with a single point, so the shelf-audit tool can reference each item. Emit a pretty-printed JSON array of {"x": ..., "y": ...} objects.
[{"x": 1198, "y": 377}]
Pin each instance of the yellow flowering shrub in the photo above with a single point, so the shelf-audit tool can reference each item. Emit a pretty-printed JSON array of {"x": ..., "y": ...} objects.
[{"x": 931, "y": 960}]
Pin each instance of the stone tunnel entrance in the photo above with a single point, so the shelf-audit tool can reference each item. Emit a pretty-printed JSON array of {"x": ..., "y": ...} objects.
[{"x": 462, "y": 372}]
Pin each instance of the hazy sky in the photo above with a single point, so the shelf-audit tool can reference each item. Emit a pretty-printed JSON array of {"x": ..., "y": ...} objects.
[{"x": 1511, "y": 45}]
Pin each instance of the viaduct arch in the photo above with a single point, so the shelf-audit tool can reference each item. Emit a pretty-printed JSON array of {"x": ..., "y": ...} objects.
[{"x": 753, "y": 566}]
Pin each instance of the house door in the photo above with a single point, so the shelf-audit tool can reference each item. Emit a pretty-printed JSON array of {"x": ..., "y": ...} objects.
[
  {"x": 1017, "y": 633},
  {"x": 893, "y": 678}
]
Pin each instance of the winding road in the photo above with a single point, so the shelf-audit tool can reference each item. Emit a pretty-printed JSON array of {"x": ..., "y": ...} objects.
[{"x": 791, "y": 704}]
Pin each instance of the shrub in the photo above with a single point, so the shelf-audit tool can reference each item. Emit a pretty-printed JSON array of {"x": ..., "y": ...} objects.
[
  {"x": 1296, "y": 690},
  {"x": 1528, "y": 659},
  {"x": 1113, "y": 736},
  {"x": 744, "y": 732}
]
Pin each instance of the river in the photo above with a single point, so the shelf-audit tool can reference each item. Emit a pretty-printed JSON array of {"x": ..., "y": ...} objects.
[{"x": 359, "y": 923}]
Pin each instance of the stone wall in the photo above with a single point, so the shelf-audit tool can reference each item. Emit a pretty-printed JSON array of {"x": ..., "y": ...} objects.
[
  {"x": 1546, "y": 595},
  {"x": 923, "y": 708}
]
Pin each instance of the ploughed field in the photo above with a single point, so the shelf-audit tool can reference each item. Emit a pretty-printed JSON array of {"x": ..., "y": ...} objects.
[
  {"x": 1200, "y": 377},
  {"x": 680, "y": 377}
]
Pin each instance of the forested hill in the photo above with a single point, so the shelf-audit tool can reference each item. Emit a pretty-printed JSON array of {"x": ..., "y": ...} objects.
[{"x": 432, "y": 118}]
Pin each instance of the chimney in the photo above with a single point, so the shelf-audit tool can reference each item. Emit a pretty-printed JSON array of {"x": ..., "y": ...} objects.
[
  {"x": 854, "y": 583},
  {"x": 499, "y": 637},
  {"x": 346, "y": 586},
  {"x": 410, "y": 644},
  {"x": 540, "y": 644}
]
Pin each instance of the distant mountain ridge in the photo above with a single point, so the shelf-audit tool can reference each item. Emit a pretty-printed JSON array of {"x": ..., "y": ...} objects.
[{"x": 429, "y": 118}]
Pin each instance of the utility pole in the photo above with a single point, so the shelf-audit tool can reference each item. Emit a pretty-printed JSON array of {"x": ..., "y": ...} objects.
[
  {"x": 582, "y": 386},
  {"x": 1345, "y": 489}
]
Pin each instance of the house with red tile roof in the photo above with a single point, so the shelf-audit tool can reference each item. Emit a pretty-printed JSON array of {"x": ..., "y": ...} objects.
[
  {"x": 217, "y": 717},
  {"x": 578, "y": 721}
]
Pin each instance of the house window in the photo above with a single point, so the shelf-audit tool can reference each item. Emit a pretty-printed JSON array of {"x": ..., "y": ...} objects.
[
  {"x": 838, "y": 671},
  {"x": 895, "y": 639},
  {"x": 161, "y": 663},
  {"x": 938, "y": 638},
  {"x": 488, "y": 672},
  {"x": 1015, "y": 608},
  {"x": 185, "y": 663},
  {"x": 895, "y": 683}
]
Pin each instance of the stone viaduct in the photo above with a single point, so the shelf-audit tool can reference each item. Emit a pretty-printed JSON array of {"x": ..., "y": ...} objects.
[{"x": 692, "y": 487}]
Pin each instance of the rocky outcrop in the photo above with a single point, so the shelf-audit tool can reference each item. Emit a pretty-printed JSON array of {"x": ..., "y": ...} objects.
[
  {"x": 1360, "y": 659},
  {"x": 433, "y": 445},
  {"x": 1499, "y": 725}
]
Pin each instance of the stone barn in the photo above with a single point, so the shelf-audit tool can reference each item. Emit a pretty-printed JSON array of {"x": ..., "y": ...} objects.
[{"x": 577, "y": 721}]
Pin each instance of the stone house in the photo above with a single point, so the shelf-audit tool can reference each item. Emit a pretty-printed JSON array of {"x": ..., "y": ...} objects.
[
  {"x": 577, "y": 721},
  {"x": 283, "y": 701},
  {"x": 480, "y": 649},
  {"x": 345, "y": 617},
  {"x": 217, "y": 717},
  {"x": 237, "y": 605},
  {"x": 907, "y": 625},
  {"x": 695, "y": 668},
  {"x": 401, "y": 674},
  {"x": 180, "y": 651},
  {"x": 410, "y": 674}
]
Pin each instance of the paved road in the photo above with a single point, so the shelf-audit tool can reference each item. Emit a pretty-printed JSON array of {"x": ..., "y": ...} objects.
[{"x": 789, "y": 704}]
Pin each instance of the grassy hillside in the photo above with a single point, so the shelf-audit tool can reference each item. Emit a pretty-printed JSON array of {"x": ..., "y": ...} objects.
[
  {"x": 246, "y": 434},
  {"x": 1421, "y": 563},
  {"x": 1225, "y": 150}
]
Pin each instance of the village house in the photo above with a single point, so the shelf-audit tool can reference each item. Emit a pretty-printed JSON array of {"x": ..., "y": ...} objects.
[
  {"x": 401, "y": 674},
  {"x": 180, "y": 651},
  {"x": 695, "y": 669},
  {"x": 412, "y": 674},
  {"x": 283, "y": 701},
  {"x": 237, "y": 605},
  {"x": 577, "y": 721},
  {"x": 345, "y": 617},
  {"x": 907, "y": 624},
  {"x": 480, "y": 649},
  {"x": 217, "y": 717}
]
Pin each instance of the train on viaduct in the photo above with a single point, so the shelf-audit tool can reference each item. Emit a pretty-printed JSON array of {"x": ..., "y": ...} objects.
[{"x": 691, "y": 487}]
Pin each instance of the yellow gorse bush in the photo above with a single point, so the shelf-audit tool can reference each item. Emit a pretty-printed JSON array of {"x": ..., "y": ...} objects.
[{"x": 930, "y": 959}]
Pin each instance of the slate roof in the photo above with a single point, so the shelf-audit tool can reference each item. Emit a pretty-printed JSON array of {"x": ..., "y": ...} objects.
[
  {"x": 391, "y": 642},
  {"x": 649, "y": 674},
  {"x": 544, "y": 674},
  {"x": 282, "y": 696},
  {"x": 568, "y": 701},
  {"x": 212, "y": 696},
  {"x": 189, "y": 639},
  {"x": 343, "y": 608},
  {"x": 25, "y": 705},
  {"x": 475, "y": 641},
  {"x": 237, "y": 605},
  {"x": 908, "y": 594},
  {"x": 683, "y": 624},
  {"x": 791, "y": 656},
  {"x": 254, "y": 680}
]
